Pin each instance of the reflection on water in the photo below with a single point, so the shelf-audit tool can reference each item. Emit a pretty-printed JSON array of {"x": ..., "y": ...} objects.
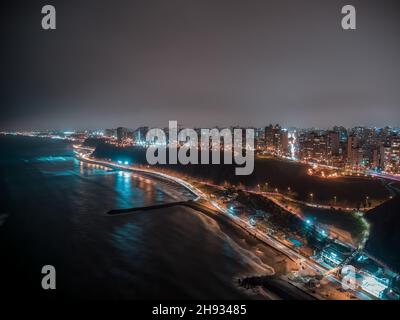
[
  {"x": 125, "y": 239},
  {"x": 52, "y": 159},
  {"x": 124, "y": 189}
]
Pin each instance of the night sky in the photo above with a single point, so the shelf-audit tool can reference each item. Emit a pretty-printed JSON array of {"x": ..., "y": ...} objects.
[{"x": 202, "y": 62}]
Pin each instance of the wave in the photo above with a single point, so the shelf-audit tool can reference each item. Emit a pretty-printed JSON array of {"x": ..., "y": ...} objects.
[
  {"x": 248, "y": 256},
  {"x": 53, "y": 158}
]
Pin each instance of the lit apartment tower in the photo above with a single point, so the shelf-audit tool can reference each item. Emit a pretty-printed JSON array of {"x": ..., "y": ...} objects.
[
  {"x": 313, "y": 147},
  {"x": 110, "y": 133},
  {"x": 139, "y": 135},
  {"x": 320, "y": 144},
  {"x": 260, "y": 138},
  {"x": 375, "y": 163},
  {"x": 384, "y": 156},
  {"x": 351, "y": 145},
  {"x": 284, "y": 142},
  {"x": 393, "y": 165},
  {"x": 269, "y": 137},
  {"x": 272, "y": 137},
  {"x": 342, "y": 133},
  {"x": 333, "y": 143},
  {"x": 305, "y": 146},
  {"x": 358, "y": 158},
  {"x": 122, "y": 134},
  {"x": 355, "y": 155}
]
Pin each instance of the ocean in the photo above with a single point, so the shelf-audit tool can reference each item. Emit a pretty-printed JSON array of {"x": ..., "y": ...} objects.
[{"x": 53, "y": 212}]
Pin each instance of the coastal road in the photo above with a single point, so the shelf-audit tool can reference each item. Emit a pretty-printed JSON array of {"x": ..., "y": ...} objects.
[{"x": 295, "y": 256}]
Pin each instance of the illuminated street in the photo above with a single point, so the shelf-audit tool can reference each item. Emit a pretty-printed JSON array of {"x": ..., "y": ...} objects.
[{"x": 310, "y": 264}]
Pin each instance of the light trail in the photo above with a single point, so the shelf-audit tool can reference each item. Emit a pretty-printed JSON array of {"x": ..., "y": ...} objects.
[
  {"x": 289, "y": 252},
  {"x": 179, "y": 181}
]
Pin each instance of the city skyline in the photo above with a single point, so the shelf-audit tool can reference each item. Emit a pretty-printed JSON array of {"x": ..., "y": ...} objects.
[
  {"x": 350, "y": 151},
  {"x": 232, "y": 125},
  {"x": 199, "y": 150}
]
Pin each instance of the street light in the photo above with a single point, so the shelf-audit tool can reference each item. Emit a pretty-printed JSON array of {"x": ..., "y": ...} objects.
[{"x": 312, "y": 196}]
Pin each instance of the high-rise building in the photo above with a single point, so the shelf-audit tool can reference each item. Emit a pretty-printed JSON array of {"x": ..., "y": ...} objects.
[
  {"x": 139, "y": 135},
  {"x": 313, "y": 146},
  {"x": 375, "y": 163},
  {"x": 260, "y": 138},
  {"x": 390, "y": 155},
  {"x": 342, "y": 133},
  {"x": 351, "y": 145},
  {"x": 355, "y": 154},
  {"x": 122, "y": 134},
  {"x": 110, "y": 133},
  {"x": 284, "y": 143},
  {"x": 333, "y": 143},
  {"x": 272, "y": 138}
]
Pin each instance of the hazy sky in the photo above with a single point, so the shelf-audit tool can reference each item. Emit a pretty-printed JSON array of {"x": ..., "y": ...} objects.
[{"x": 202, "y": 62}]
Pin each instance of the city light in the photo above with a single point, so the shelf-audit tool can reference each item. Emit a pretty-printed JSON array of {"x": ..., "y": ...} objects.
[
  {"x": 254, "y": 219},
  {"x": 203, "y": 152},
  {"x": 373, "y": 286}
]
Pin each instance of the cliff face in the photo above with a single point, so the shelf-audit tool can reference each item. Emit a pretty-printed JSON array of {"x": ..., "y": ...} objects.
[
  {"x": 133, "y": 155},
  {"x": 384, "y": 241}
]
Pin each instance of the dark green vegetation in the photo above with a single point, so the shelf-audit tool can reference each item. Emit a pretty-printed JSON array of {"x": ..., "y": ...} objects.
[
  {"x": 384, "y": 240},
  {"x": 277, "y": 173}
]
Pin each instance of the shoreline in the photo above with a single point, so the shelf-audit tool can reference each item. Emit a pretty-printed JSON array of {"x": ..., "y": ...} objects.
[
  {"x": 290, "y": 178},
  {"x": 272, "y": 246},
  {"x": 250, "y": 248},
  {"x": 280, "y": 261}
]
